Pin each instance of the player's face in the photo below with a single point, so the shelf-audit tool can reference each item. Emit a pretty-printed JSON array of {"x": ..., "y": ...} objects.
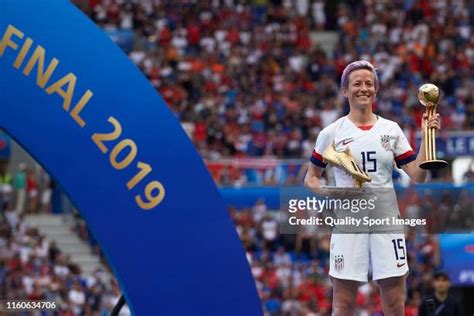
[{"x": 361, "y": 88}]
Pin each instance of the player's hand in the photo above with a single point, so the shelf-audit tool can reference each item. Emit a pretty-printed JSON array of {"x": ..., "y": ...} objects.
[{"x": 433, "y": 122}]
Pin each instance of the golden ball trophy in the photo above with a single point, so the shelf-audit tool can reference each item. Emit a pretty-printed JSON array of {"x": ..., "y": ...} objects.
[{"x": 429, "y": 96}]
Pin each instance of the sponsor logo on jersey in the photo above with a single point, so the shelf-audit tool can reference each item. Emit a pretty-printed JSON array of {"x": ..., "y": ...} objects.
[
  {"x": 346, "y": 141},
  {"x": 338, "y": 262},
  {"x": 399, "y": 265}
]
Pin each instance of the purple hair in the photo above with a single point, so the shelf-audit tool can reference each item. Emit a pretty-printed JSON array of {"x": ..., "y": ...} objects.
[{"x": 356, "y": 65}]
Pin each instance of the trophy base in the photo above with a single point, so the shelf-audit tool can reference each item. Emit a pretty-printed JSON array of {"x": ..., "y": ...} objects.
[{"x": 433, "y": 164}]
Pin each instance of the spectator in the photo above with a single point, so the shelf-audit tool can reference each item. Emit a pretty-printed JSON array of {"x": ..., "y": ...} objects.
[
  {"x": 20, "y": 187},
  {"x": 46, "y": 185},
  {"x": 32, "y": 191},
  {"x": 441, "y": 303},
  {"x": 269, "y": 231},
  {"x": 281, "y": 257},
  {"x": 77, "y": 298}
]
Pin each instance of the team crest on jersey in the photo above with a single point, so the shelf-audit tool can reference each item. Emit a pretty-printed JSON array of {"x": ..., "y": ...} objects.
[
  {"x": 387, "y": 141},
  {"x": 338, "y": 262}
]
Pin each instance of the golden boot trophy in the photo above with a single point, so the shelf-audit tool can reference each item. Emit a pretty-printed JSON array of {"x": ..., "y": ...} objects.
[
  {"x": 345, "y": 160},
  {"x": 429, "y": 96}
]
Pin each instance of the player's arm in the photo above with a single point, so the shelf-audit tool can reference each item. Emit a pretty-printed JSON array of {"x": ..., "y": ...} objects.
[
  {"x": 413, "y": 168},
  {"x": 316, "y": 164},
  {"x": 312, "y": 178}
]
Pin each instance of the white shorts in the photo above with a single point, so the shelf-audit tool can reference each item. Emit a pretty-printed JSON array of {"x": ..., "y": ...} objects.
[{"x": 352, "y": 255}]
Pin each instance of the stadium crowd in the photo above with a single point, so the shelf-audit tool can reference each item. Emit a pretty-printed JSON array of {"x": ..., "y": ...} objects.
[
  {"x": 33, "y": 267},
  {"x": 247, "y": 78}
]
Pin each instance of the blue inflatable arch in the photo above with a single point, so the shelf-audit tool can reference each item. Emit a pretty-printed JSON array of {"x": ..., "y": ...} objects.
[{"x": 76, "y": 103}]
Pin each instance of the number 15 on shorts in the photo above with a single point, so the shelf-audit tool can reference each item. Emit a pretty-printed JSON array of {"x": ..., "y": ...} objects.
[{"x": 399, "y": 248}]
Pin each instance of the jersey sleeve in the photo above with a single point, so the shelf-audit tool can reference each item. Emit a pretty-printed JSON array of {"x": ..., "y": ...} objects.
[
  {"x": 403, "y": 152},
  {"x": 324, "y": 139}
]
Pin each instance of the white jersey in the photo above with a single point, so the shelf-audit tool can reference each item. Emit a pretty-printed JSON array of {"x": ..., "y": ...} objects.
[{"x": 375, "y": 148}]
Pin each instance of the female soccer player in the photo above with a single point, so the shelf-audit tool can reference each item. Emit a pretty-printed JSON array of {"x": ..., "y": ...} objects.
[{"x": 376, "y": 144}]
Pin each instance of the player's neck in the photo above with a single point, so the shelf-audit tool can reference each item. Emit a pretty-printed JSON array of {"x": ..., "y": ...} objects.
[{"x": 362, "y": 117}]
